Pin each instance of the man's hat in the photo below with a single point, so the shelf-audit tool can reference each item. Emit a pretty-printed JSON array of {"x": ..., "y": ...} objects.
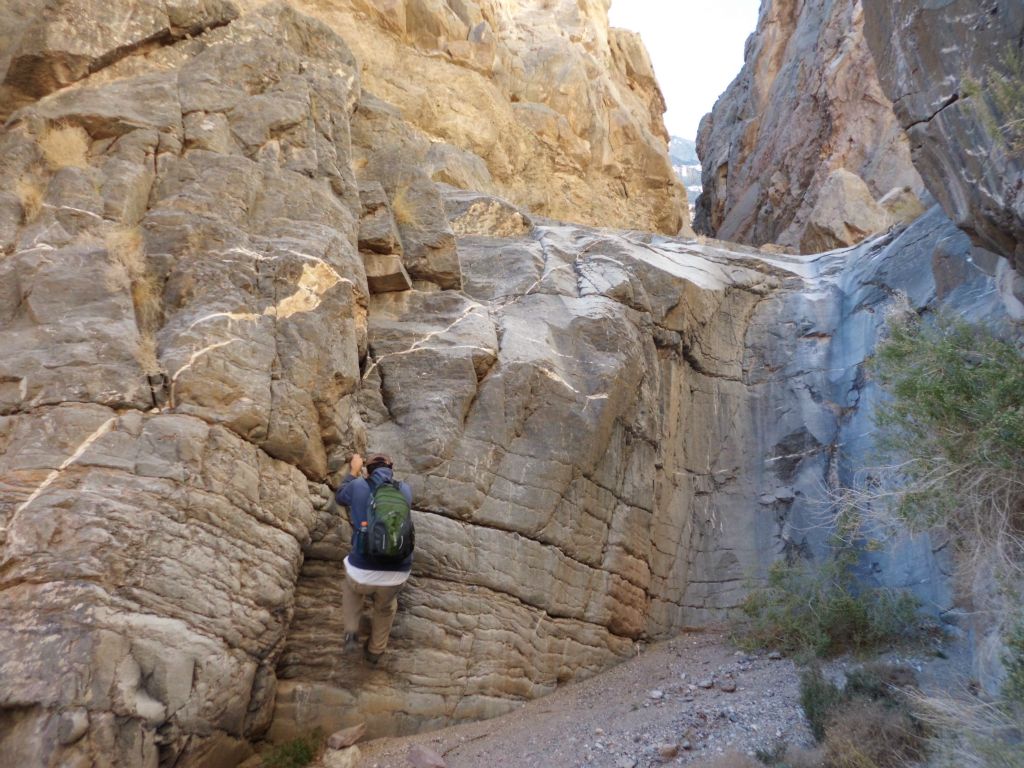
[{"x": 379, "y": 460}]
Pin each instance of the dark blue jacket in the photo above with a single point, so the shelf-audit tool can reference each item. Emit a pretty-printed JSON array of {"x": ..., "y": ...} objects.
[{"x": 355, "y": 494}]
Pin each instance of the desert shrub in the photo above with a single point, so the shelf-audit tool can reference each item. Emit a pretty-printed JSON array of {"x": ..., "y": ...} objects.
[
  {"x": 864, "y": 733},
  {"x": 881, "y": 682},
  {"x": 30, "y": 195},
  {"x": 1013, "y": 663},
  {"x": 820, "y": 698},
  {"x": 821, "y": 610},
  {"x": 999, "y": 98},
  {"x": 65, "y": 146},
  {"x": 954, "y": 429},
  {"x": 971, "y": 733},
  {"x": 869, "y": 723},
  {"x": 297, "y": 753}
]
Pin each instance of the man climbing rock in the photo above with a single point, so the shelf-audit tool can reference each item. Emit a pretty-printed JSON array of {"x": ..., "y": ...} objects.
[{"x": 382, "y": 543}]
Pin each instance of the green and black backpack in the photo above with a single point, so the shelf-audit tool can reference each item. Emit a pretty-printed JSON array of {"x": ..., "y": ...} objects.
[{"x": 390, "y": 537}]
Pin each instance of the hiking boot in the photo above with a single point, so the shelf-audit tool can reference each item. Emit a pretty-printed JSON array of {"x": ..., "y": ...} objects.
[
  {"x": 371, "y": 657},
  {"x": 351, "y": 642}
]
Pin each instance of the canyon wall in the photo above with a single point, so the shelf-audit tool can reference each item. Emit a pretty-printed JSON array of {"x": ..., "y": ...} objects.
[
  {"x": 227, "y": 263},
  {"x": 954, "y": 73},
  {"x": 537, "y": 100},
  {"x": 803, "y": 145}
]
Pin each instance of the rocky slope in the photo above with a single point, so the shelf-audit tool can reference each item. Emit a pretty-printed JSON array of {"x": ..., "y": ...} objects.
[
  {"x": 954, "y": 74},
  {"x": 803, "y": 144}
]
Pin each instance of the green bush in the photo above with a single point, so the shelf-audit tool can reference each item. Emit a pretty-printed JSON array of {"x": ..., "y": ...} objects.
[
  {"x": 1000, "y": 99},
  {"x": 869, "y": 723},
  {"x": 296, "y": 753},
  {"x": 821, "y": 611},
  {"x": 1013, "y": 661},
  {"x": 954, "y": 430},
  {"x": 819, "y": 698}
]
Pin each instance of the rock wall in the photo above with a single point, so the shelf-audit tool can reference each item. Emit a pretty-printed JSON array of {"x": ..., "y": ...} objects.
[
  {"x": 539, "y": 101},
  {"x": 943, "y": 66},
  {"x": 572, "y": 423},
  {"x": 806, "y": 105},
  {"x": 226, "y": 265}
]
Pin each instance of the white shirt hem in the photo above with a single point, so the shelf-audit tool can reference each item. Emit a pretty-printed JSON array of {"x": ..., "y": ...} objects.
[{"x": 375, "y": 578}]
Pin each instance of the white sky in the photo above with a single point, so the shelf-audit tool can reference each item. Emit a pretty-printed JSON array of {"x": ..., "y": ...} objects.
[{"x": 696, "y": 47}]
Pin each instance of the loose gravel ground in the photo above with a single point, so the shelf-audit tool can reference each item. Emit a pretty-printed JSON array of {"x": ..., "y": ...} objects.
[{"x": 677, "y": 702}]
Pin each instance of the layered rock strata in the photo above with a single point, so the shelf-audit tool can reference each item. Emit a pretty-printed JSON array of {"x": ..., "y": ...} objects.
[
  {"x": 226, "y": 265},
  {"x": 538, "y": 101},
  {"x": 806, "y": 105},
  {"x": 195, "y": 235},
  {"x": 954, "y": 73}
]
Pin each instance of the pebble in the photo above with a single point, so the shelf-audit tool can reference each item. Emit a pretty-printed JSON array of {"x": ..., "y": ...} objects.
[
  {"x": 729, "y": 686},
  {"x": 626, "y": 762},
  {"x": 668, "y": 751},
  {"x": 657, "y": 695},
  {"x": 708, "y": 683},
  {"x": 775, "y": 655}
]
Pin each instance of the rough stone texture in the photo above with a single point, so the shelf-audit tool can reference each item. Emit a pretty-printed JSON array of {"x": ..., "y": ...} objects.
[
  {"x": 184, "y": 314},
  {"x": 608, "y": 434},
  {"x": 166, "y": 392},
  {"x": 564, "y": 112},
  {"x": 807, "y": 102},
  {"x": 940, "y": 64},
  {"x": 928, "y": 58},
  {"x": 844, "y": 214},
  {"x": 45, "y": 46},
  {"x": 571, "y": 413}
]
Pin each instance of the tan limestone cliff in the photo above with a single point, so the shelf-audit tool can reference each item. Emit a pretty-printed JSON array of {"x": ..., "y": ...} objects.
[
  {"x": 564, "y": 112},
  {"x": 225, "y": 266}
]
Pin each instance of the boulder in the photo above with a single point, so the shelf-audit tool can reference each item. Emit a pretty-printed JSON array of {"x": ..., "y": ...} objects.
[
  {"x": 902, "y": 205},
  {"x": 845, "y": 213}
]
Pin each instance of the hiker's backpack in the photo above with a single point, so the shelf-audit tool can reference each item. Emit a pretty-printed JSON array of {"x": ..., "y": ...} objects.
[{"x": 390, "y": 536}]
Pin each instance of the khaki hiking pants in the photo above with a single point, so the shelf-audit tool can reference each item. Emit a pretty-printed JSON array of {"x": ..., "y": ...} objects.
[{"x": 382, "y": 615}]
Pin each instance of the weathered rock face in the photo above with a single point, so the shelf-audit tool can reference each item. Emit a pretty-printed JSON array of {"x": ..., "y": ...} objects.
[
  {"x": 185, "y": 246},
  {"x": 196, "y": 235},
  {"x": 806, "y": 104},
  {"x": 535, "y": 100},
  {"x": 226, "y": 265},
  {"x": 572, "y": 423},
  {"x": 941, "y": 65}
]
